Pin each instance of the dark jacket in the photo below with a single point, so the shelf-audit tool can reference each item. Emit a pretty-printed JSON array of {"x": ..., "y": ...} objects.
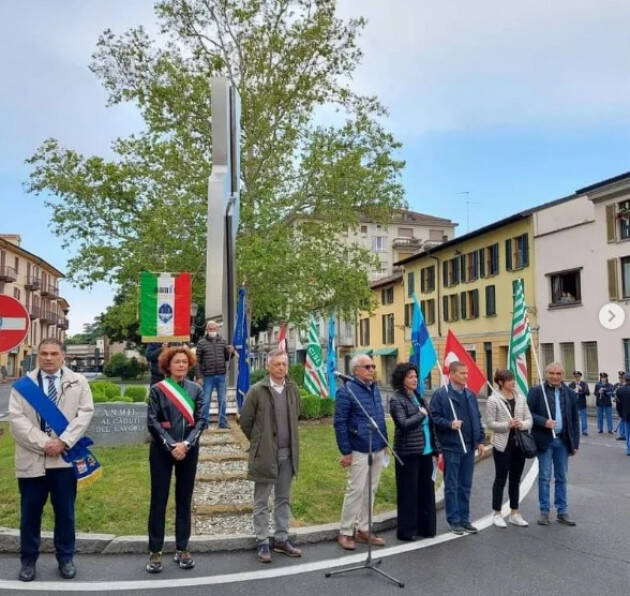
[
  {"x": 581, "y": 392},
  {"x": 570, "y": 421},
  {"x": 152, "y": 355},
  {"x": 603, "y": 394},
  {"x": 258, "y": 422},
  {"x": 623, "y": 399},
  {"x": 212, "y": 354},
  {"x": 351, "y": 427},
  {"x": 166, "y": 425},
  {"x": 409, "y": 435},
  {"x": 466, "y": 409},
  {"x": 616, "y": 398}
]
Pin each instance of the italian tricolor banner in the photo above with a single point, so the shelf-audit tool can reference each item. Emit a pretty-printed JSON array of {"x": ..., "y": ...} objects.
[
  {"x": 179, "y": 398},
  {"x": 165, "y": 306},
  {"x": 520, "y": 338}
]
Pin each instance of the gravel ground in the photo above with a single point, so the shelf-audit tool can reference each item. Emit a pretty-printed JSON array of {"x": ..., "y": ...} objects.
[
  {"x": 237, "y": 492},
  {"x": 224, "y": 467},
  {"x": 224, "y": 525}
]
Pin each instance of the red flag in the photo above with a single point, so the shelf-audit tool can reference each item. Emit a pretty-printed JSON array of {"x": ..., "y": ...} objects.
[
  {"x": 282, "y": 338},
  {"x": 453, "y": 351}
]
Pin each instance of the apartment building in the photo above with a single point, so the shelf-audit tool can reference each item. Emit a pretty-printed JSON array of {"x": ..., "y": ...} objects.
[{"x": 35, "y": 283}]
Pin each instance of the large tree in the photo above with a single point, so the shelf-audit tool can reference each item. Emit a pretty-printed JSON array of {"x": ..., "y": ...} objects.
[{"x": 314, "y": 156}]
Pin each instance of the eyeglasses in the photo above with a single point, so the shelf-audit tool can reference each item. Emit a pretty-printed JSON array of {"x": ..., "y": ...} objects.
[{"x": 368, "y": 366}]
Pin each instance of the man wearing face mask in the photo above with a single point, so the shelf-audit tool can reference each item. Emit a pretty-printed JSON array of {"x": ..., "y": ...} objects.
[{"x": 213, "y": 353}]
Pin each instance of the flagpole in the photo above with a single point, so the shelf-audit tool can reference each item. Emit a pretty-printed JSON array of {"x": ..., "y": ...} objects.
[
  {"x": 459, "y": 430},
  {"x": 542, "y": 386}
]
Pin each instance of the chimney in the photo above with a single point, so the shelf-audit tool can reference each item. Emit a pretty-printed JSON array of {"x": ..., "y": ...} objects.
[{"x": 12, "y": 238}]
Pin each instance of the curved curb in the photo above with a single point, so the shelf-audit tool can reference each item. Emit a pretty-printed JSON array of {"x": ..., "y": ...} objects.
[{"x": 88, "y": 543}]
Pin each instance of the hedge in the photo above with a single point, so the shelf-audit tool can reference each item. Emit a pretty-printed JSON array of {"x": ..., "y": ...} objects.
[
  {"x": 111, "y": 390},
  {"x": 137, "y": 393},
  {"x": 314, "y": 406}
]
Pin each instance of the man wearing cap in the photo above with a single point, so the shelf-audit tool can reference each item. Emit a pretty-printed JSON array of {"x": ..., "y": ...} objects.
[
  {"x": 621, "y": 425},
  {"x": 603, "y": 400},
  {"x": 213, "y": 354},
  {"x": 623, "y": 398},
  {"x": 581, "y": 390}
]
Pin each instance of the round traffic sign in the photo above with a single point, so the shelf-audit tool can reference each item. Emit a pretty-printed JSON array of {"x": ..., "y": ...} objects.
[{"x": 14, "y": 322}]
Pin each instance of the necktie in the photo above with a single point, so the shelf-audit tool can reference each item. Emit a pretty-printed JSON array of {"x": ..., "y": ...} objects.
[{"x": 52, "y": 396}]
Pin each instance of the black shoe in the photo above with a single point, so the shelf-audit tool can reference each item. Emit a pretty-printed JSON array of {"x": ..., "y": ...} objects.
[
  {"x": 27, "y": 572},
  {"x": 564, "y": 518},
  {"x": 457, "y": 529},
  {"x": 585, "y": 434},
  {"x": 263, "y": 553},
  {"x": 621, "y": 438},
  {"x": 600, "y": 432},
  {"x": 406, "y": 538},
  {"x": 67, "y": 570},
  {"x": 469, "y": 528}
]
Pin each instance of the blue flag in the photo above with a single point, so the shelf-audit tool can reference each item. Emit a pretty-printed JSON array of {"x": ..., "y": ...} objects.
[
  {"x": 331, "y": 358},
  {"x": 239, "y": 341},
  {"x": 423, "y": 353}
]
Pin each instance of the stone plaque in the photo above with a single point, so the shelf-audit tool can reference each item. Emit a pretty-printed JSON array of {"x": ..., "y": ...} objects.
[{"x": 119, "y": 424}]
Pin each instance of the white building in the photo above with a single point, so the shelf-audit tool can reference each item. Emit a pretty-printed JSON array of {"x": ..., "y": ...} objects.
[{"x": 582, "y": 257}]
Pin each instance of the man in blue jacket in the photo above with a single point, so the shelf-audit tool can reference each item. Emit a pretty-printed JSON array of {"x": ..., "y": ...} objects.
[
  {"x": 351, "y": 431},
  {"x": 554, "y": 410},
  {"x": 455, "y": 411}
]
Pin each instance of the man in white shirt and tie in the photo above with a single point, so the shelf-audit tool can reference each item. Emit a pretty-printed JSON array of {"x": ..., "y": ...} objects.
[{"x": 39, "y": 466}]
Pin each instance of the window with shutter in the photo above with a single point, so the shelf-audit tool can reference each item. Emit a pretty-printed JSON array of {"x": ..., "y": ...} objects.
[
  {"x": 445, "y": 274},
  {"x": 462, "y": 304},
  {"x": 508, "y": 254},
  {"x": 462, "y": 268},
  {"x": 613, "y": 283},
  {"x": 524, "y": 251},
  {"x": 455, "y": 264},
  {"x": 611, "y": 235},
  {"x": 490, "y": 302},
  {"x": 482, "y": 262},
  {"x": 474, "y": 304},
  {"x": 445, "y": 313}
]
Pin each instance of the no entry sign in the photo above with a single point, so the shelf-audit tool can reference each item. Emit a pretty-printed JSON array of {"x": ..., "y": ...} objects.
[{"x": 14, "y": 322}]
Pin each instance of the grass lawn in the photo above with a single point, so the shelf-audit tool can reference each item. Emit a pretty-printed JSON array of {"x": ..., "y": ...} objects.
[{"x": 118, "y": 503}]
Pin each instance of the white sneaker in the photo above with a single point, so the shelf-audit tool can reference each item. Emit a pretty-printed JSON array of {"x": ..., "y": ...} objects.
[
  {"x": 516, "y": 519},
  {"x": 498, "y": 521}
]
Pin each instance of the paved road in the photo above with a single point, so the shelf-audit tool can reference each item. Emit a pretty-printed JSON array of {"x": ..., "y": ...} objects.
[{"x": 555, "y": 560}]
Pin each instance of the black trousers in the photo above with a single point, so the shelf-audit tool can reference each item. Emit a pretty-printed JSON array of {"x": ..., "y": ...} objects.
[
  {"x": 510, "y": 462},
  {"x": 61, "y": 485},
  {"x": 415, "y": 497},
  {"x": 161, "y": 464}
]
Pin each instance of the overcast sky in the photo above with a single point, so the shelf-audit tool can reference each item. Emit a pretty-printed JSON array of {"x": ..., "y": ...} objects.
[{"x": 513, "y": 103}]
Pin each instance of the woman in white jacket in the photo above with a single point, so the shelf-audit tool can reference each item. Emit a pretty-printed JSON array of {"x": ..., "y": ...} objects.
[{"x": 507, "y": 411}]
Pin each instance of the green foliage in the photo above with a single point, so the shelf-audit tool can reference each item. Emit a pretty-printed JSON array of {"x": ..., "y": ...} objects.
[
  {"x": 137, "y": 392},
  {"x": 91, "y": 332},
  {"x": 326, "y": 407},
  {"x": 123, "y": 398},
  {"x": 121, "y": 366},
  {"x": 109, "y": 390},
  {"x": 99, "y": 397},
  {"x": 296, "y": 374},
  {"x": 306, "y": 184},
  {"x": 310, "y": 407},
  {"x": 257, "y": 375}
]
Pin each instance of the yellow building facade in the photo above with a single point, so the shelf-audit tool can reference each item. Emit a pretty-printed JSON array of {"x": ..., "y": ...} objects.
[
  {"x": 382, "y": 333},
  {"x": 466, "y": 285},
  {"x": 35, "y": 283}
]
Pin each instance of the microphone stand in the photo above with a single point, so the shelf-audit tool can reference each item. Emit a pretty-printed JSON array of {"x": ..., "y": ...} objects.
[{"x": 369, "y": 563}]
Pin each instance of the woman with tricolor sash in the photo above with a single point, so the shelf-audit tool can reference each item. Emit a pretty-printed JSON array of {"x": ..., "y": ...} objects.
[{"x": 175, "y": 420}]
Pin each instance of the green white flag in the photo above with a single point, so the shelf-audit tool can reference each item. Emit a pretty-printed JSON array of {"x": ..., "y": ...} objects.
[
  {"x": 315, "y": 380},
  {"x": 520, "y": 338}
]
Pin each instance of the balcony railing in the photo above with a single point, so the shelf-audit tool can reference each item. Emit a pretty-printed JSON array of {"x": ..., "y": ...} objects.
[
  {"x": 34, "y": 312},
  {"x": 33, "y": 283},
  {"x": 49, "y": 290},
  {"x": 8, "y": 274},
  {"x": 63, "y": 323},
  {"x": 48, "y": 316},
  {"x": 408, "y": 243}
]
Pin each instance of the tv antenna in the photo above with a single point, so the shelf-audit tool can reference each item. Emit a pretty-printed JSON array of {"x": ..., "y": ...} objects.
[{"x": 468, "y": 204}]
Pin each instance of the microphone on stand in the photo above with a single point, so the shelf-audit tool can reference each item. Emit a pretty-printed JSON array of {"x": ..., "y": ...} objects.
[{"x": 345, "y": 378}]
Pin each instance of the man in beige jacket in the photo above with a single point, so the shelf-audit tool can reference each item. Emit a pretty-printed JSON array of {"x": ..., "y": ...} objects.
[{"x": 39, "y": 465}]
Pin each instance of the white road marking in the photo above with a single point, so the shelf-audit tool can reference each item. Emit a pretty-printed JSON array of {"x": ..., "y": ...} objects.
[{"x": 244, "y": 576}]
